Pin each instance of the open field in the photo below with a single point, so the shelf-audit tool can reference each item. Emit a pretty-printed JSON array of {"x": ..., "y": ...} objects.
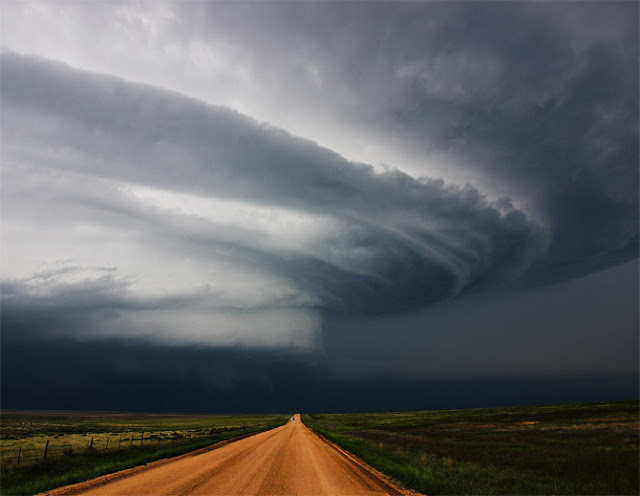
[
  {"x": 81, "y": 446},
  {"x": 561, "y": 449}
]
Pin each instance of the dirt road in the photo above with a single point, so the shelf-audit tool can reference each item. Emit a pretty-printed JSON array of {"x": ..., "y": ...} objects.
[{"x": 288, "y": 460}]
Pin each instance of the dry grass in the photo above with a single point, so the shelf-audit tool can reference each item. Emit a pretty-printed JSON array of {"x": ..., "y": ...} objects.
[
  {"x": 73, "y": 457},
  {"x": 27, "y": 433}
]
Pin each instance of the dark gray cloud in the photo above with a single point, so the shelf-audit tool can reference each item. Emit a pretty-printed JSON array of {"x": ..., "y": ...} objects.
[
  {"x": 112, "y": 375},
  {"x": 586, "y": 326},
  {"x": 276, "y": 185},
  {"x": 539, "y": 98}
]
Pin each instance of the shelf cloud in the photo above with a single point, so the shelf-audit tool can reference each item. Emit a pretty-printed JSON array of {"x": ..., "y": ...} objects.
[{"x": 249, "y": 223}]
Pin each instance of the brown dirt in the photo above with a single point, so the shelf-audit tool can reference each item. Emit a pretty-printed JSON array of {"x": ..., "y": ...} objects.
[{"x": 288, "y": 460}]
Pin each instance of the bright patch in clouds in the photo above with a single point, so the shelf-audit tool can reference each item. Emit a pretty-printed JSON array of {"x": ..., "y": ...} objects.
[{"x": 277, "y": 228}]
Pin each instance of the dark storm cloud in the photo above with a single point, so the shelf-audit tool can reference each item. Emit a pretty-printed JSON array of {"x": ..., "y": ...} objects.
[
  {"x": 586, "y": 326},
  {"x": 401, "y": 242},
  {"x": 143, "y": 217},
  {"x": 114, "y": 376},
  {"x": 542, "y": 95},
  {"x": 110, "y": 375}
]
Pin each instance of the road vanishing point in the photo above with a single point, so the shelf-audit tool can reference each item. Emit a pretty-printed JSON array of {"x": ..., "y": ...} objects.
[{"x": 288, "y": 460}]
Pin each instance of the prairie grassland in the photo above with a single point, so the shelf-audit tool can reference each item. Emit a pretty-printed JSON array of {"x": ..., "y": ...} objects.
[
  {"x": 560, "y": 449},
  {"x": 83, "y": 446},
  {"x": 29, "y": 432}
]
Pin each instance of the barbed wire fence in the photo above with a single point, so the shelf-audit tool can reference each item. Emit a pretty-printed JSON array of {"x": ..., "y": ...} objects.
[{"x": 29, "y": 452}]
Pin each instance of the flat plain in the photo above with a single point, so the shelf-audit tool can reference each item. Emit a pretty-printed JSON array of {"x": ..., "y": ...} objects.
[
  {"x": 559, "y": 449},
  {"x": 43, "y": 450}
]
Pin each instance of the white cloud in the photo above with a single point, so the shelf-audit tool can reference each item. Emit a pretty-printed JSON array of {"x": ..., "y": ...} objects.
[{"x": 269, "y": 75}]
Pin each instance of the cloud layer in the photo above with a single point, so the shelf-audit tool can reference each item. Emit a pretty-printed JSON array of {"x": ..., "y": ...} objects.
[
  {"x": 400, "y": 189},
  {"x": 233, "y": 216}
]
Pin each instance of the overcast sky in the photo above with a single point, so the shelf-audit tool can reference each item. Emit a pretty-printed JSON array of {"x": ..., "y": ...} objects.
[{"x": 318, "y": 205}]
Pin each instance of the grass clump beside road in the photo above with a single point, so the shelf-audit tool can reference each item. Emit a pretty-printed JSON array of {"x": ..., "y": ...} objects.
[
  {"x": 166, "y": 436},
  {"x": 560, "y": 449}
]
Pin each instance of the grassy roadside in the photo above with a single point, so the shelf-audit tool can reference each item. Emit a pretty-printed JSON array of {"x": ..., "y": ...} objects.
[
  {"x": 59, "y": 471},
  {"x": 560, "y": 449}
]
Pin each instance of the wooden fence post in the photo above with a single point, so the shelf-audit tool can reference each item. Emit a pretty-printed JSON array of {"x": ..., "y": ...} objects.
[
  {"x": 19, "y": 454},
  {"x": 91, "y": 444},
  {"x": 107, "y": 447},
  {"x": 46, "y": 448}
]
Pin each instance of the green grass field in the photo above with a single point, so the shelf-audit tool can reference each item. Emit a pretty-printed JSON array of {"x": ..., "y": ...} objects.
[
  {"x": 561, "y": 449},
  {"x": 83, "y": 445}
]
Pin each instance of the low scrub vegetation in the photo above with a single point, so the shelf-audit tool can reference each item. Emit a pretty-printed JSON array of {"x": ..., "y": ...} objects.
[{"x": 561, "y": 449}]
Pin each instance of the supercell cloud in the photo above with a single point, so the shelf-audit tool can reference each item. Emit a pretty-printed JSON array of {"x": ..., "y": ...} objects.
[
  {"x": 376, "y": 186},
  {"x": 258, "y": 232}
]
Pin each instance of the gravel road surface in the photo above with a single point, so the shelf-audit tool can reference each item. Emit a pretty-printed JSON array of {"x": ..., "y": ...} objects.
[{"x": 288, "y": 460}]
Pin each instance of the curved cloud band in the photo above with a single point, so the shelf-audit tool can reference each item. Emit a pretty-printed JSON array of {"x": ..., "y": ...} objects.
[{"x": 235, "y": 223}]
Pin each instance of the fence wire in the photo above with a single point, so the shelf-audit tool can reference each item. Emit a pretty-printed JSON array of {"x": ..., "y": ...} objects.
[{"x": 28, "y": 451}]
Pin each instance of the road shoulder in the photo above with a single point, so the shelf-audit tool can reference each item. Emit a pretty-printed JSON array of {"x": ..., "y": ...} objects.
[{"x": 367, "y": 470}]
